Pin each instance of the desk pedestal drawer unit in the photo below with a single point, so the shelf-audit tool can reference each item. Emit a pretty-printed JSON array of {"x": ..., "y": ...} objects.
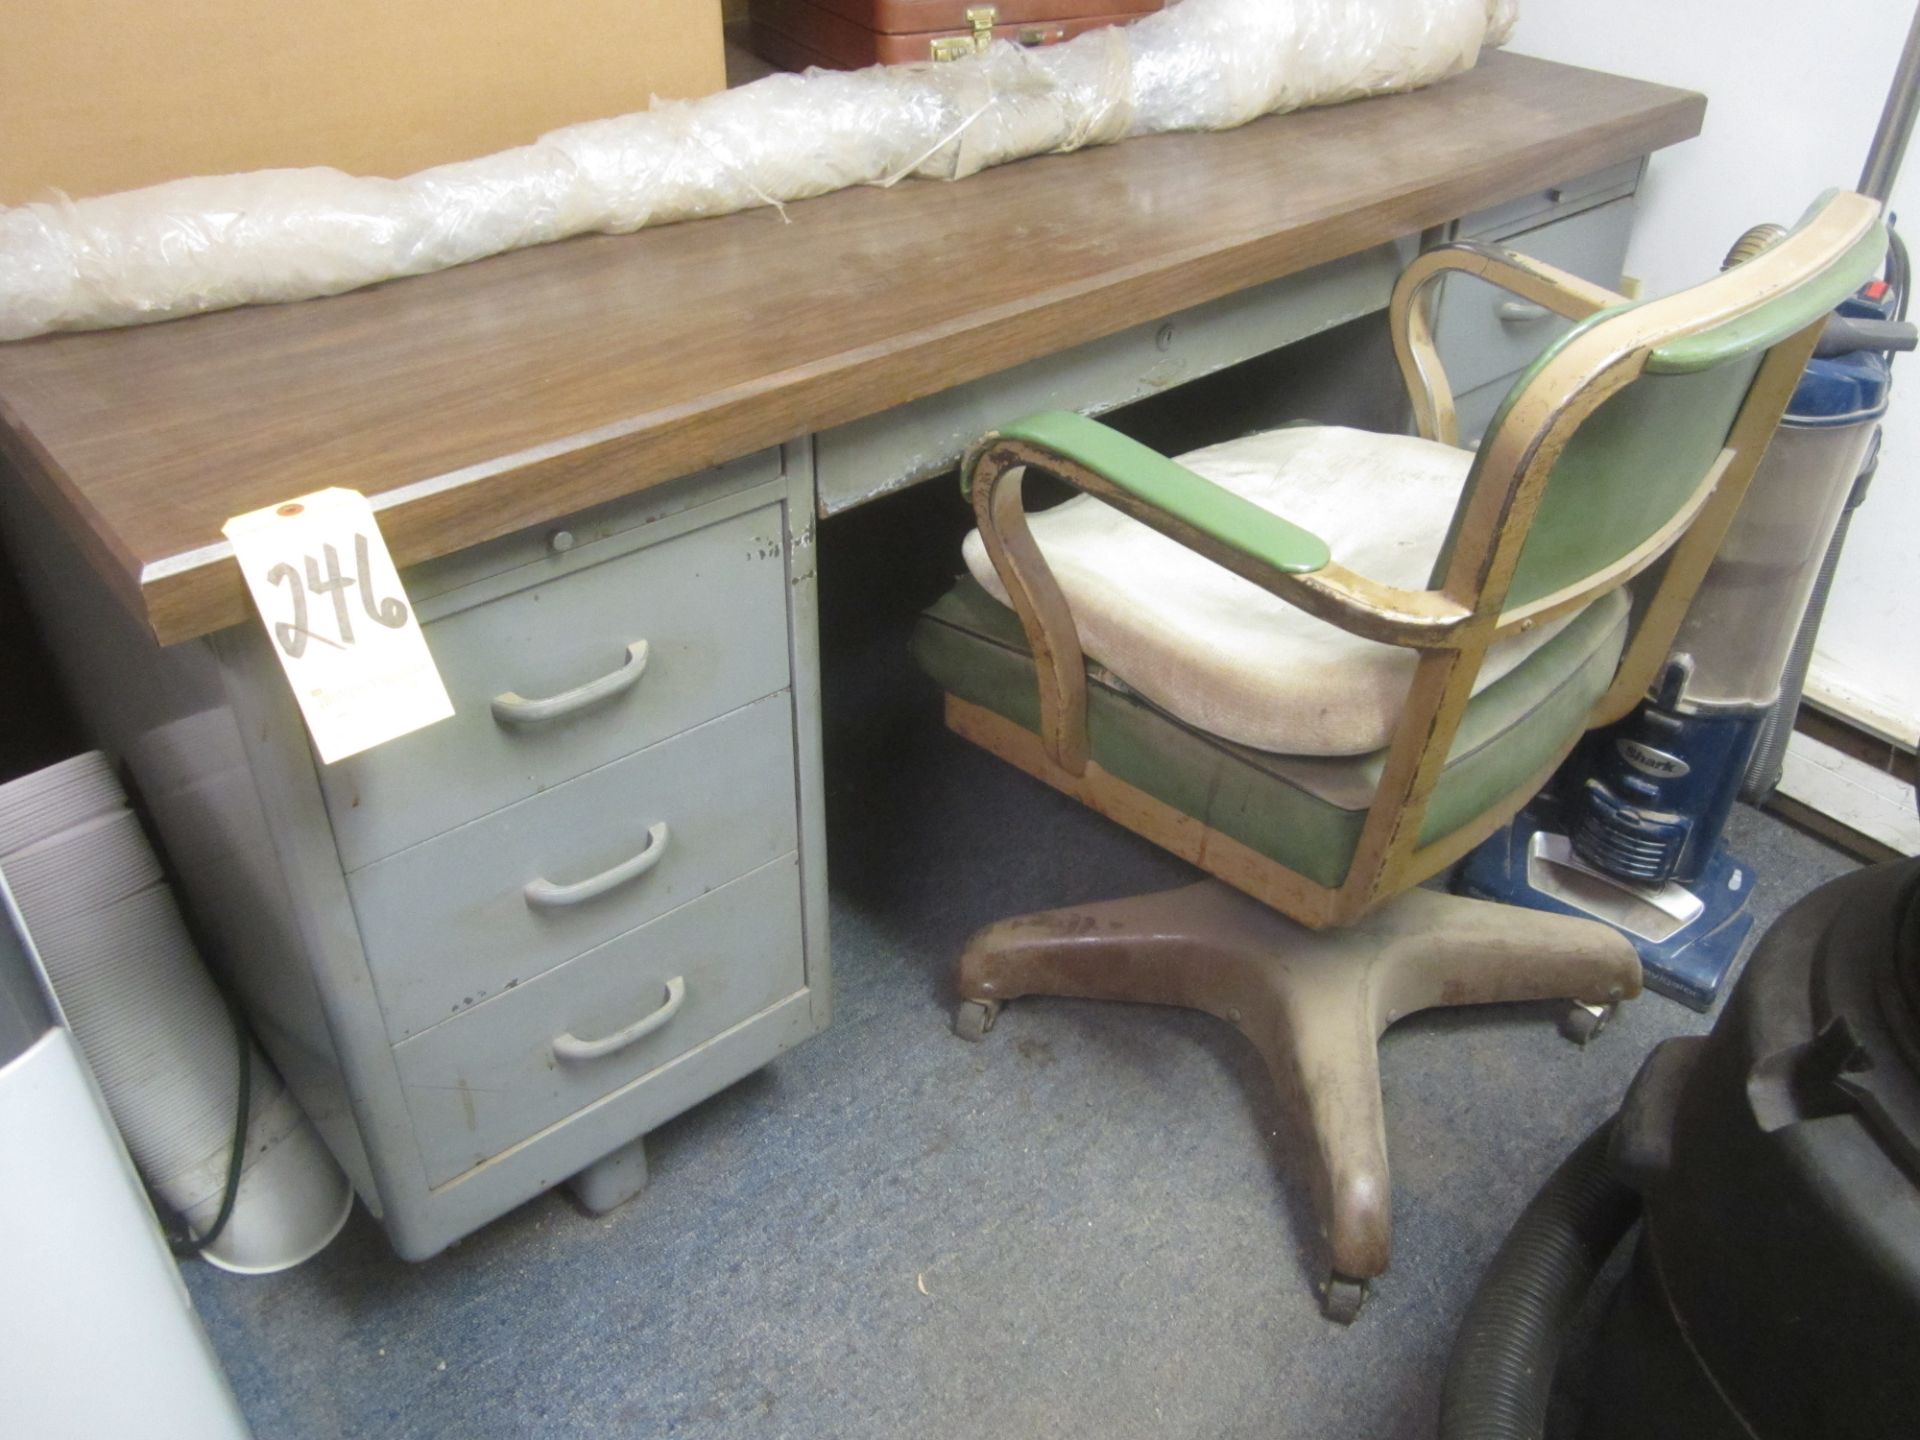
[{"x": 492, "y": 954}]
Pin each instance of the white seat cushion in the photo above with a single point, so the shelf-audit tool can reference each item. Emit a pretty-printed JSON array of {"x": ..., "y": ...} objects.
[{"x": 1226, "y": 656}]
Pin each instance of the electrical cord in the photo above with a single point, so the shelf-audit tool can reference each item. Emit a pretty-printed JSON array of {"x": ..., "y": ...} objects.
[{"x": 181, "y": 1240}]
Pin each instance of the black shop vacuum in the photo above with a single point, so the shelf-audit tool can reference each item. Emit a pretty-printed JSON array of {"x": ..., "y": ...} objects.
[{"x": 1774, "y": 1167}]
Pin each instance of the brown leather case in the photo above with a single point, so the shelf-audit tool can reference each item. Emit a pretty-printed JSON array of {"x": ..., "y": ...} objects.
[{"x": 849, "y": 34}]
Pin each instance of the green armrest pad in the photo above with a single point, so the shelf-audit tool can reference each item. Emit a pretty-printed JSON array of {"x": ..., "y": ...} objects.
[{"x": 1173, "y": 490}]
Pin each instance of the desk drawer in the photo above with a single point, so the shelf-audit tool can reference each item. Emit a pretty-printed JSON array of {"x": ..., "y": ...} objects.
[
  {"x": 1485, "y": 333},
  {"x": 711, "y": 605},
  {"x": 452, "y": 921},
  {"x": 484, "y": 1081},
  {"x": 1539, "y": 207}
]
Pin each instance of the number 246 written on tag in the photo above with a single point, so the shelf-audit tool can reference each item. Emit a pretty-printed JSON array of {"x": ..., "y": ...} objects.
[
  {"x": 294, "y": 634},
  {"x": 331, "y": 600}
]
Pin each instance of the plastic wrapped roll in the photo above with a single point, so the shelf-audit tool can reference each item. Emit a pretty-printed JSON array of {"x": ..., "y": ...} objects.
[{"x": 211, "y": 243}]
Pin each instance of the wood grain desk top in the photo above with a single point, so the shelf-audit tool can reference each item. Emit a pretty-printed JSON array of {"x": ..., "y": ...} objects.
[{"x": 483, "y": 400}]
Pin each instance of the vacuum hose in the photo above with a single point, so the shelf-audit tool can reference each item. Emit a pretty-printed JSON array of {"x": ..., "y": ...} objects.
[
  {"x": 1759, "y": 238},
  {"x": 1501, "y": 1371}
]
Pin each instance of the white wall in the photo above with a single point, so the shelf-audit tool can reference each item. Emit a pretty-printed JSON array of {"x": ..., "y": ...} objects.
[{"x": 1794, "y": 91}]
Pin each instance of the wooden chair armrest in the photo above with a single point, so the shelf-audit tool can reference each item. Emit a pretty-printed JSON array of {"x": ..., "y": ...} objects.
[
  {"x": 1255, "y": 544},
  {"x": 1159, "y": 492},
  {"x": 1412, "y": 321}
]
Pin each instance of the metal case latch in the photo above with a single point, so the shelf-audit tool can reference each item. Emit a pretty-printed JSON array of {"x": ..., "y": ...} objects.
[{"x": 982, "y": 18}]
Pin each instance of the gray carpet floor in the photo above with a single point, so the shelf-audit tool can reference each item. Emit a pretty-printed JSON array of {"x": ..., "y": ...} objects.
[{"x": 1094, "y": 1224}]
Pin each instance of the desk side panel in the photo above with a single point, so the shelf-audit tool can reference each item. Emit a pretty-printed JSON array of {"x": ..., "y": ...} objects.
[{"x": 803, "y": 630}]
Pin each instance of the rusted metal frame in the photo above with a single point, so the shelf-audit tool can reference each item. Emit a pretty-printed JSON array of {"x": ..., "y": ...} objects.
[
  {"x": 1189, "y": 837},
  {"x": 1628, "y": 567},
  {"x": 1504, "y": 490},
  {"x": 1503, "y": 493},
  {"x": 1313, "y": 1005},
  {"x": 1411, "y": 320}
]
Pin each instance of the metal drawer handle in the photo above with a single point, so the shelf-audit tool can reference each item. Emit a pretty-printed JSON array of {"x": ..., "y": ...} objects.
[
  {"x": 572, "y": 1047},
  {"x": 545, "y": 895},
  {"x": 513, "y": 709},
  {"x": 1520, "y": 312}
]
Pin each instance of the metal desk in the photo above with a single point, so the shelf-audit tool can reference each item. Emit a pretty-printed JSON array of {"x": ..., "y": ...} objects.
[{"x": 634, "y": 434}]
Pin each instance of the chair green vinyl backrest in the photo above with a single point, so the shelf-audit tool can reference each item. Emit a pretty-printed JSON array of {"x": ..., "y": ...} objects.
[{"x": 1636, "y": 460}]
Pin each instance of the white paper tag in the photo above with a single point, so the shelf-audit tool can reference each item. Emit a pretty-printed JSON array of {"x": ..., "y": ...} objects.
[{"x": 329, "y": 595}]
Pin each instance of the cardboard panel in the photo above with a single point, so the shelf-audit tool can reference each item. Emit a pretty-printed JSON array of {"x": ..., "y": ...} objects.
[{"x": 104, "y": 95}]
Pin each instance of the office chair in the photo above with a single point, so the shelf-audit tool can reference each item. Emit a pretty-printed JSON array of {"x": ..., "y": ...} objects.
[{"x": 1321, "y": 665}]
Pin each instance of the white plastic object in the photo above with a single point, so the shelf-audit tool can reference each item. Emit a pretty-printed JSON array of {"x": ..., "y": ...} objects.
[
  {"x": 155, "y": 1032},
  {"x": 1741, "y": 626},
  {"x": 98, "y": 1333},
  {"x": 207, "y": 244}
]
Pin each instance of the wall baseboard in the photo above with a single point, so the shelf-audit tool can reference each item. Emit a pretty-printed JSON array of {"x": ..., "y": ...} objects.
[
  {"x": 1864, "y": 808},
  {"x": 1860, "y": 711}
]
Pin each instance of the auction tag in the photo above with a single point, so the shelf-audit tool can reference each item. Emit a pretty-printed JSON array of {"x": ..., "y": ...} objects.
[{"x": 330, "y": 597}]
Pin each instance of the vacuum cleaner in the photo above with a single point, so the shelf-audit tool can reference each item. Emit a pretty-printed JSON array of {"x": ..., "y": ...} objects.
[
  {"x": 1774, "y": 1165},
  {"x": 1631, "y": 830}
]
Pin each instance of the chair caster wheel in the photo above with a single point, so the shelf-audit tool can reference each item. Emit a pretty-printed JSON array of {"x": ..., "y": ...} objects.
[
  {"x": 972, "y": 1019},
  {"x": 1581, "y": 1022},
  {"x": 1342, "y": 1298}
]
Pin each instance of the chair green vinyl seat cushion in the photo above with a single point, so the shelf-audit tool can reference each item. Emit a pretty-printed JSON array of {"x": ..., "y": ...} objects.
[{"x": 1305, "y": 812}]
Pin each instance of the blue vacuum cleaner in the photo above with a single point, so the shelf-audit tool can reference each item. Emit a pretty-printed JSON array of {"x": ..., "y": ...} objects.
[{"x": 1631, "y": 831}]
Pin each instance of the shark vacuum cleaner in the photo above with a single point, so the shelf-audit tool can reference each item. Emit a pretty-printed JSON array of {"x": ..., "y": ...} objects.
[{"x": 1630, "y": 832}]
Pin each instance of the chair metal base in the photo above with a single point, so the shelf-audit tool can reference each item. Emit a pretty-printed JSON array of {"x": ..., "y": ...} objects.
[{"x": 1314, "y": 1003}]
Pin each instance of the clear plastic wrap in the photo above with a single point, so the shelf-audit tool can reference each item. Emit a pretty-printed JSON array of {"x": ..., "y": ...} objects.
[{"x": 272, "y": 235}]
